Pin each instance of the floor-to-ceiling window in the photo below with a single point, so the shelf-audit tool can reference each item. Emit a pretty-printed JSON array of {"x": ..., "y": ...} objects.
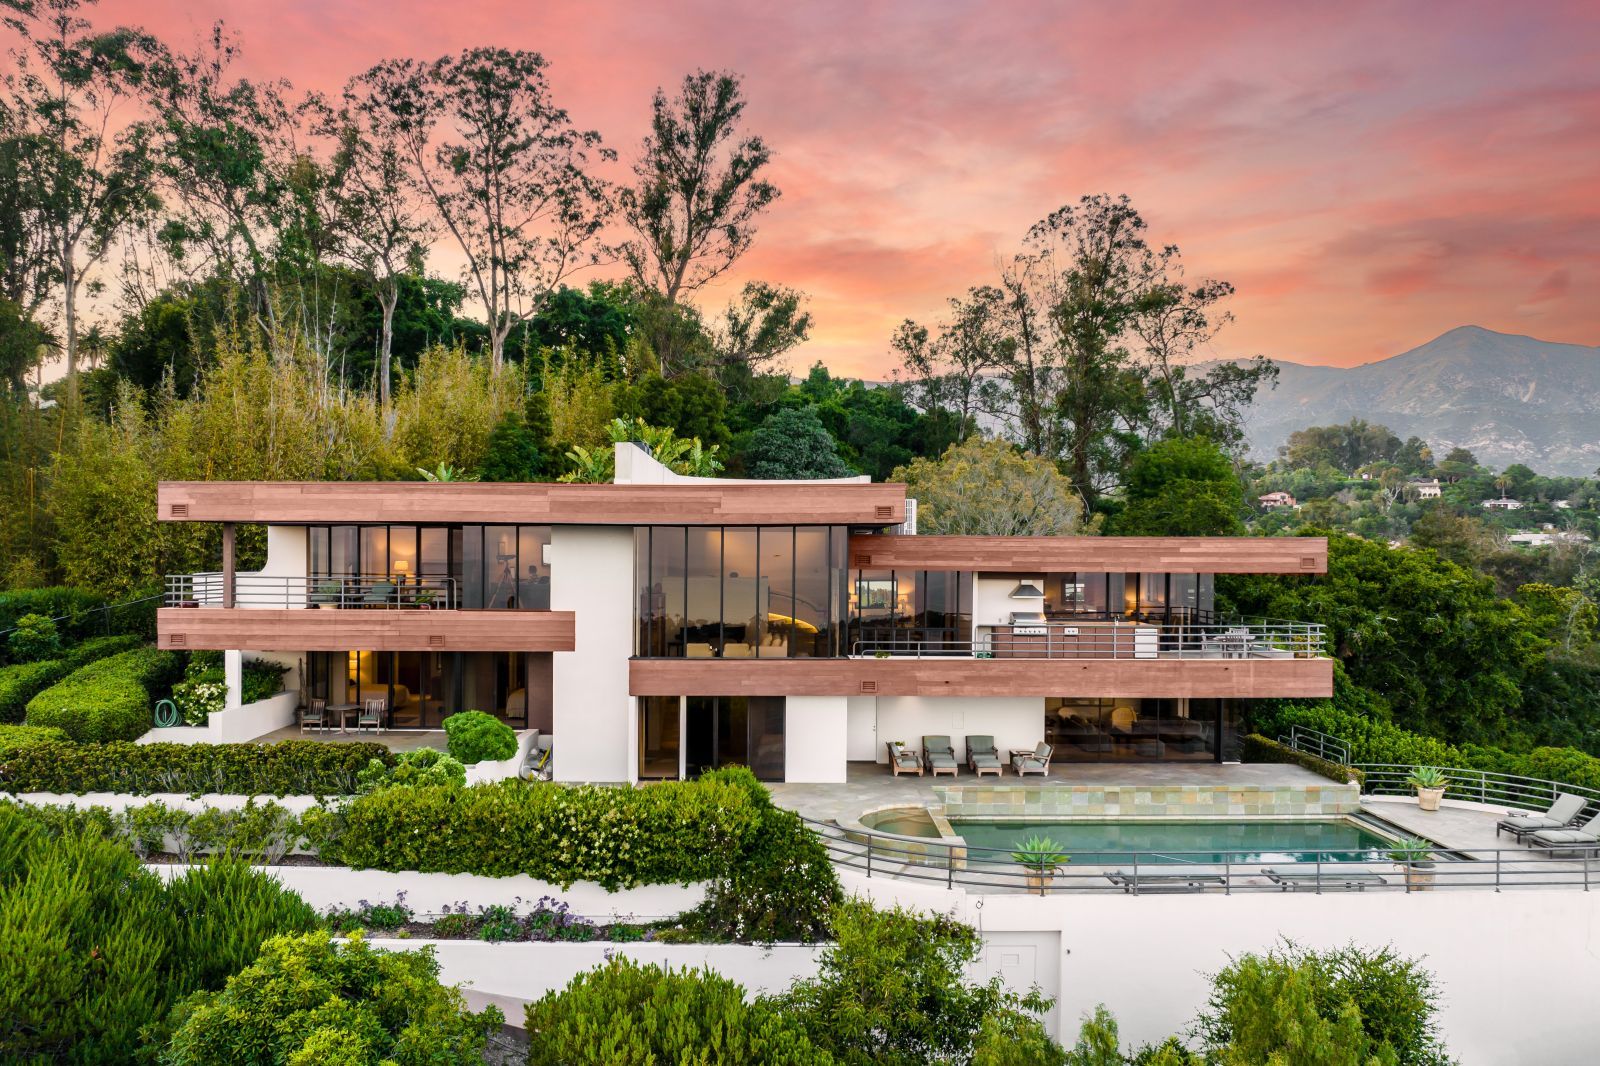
[
  {"x": 421, "y": 689},
  {"x": 928, "y": 611},
  {"x": 1119, "y": 729},
  {"x": 500, "y": 567},
  {"x": 739, "y": 592}
]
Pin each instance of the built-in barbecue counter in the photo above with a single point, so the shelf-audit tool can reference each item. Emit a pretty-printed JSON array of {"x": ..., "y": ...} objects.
[{"x": 1028, "y": 638}]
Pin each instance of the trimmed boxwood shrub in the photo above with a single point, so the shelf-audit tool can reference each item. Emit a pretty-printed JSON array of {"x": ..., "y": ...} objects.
[
  {"x": 476, "y": 737},
  {"x": 16, "y": 737},
  {"x": 109, "y": 699},
  {"x": 21, "y": 682},
  {"x": 1258, "y": 748},
  {"x": 291, "y": 768},
  {"x": 674, "y": 832}
]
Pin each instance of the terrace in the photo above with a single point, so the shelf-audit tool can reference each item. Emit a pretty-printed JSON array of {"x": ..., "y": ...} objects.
[{"x": 1103, "y": 639}]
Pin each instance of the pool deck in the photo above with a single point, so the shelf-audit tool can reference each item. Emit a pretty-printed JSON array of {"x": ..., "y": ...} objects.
[{"x": 868, "y": 786}]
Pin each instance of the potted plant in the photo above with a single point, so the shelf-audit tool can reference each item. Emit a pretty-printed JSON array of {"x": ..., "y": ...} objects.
[
  {"x": 880, "y": 655},
  {"x": 326, "y": 592},
  {"x": 1041, "y": 857},
  {"x": 425, "y": 597},
  {"x": 1415, "y": 856},
  {"x": 1430, "y": 783}
]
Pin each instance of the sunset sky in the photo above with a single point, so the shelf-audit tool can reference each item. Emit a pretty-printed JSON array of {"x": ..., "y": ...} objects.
[{"x": 1368, "y": 174}]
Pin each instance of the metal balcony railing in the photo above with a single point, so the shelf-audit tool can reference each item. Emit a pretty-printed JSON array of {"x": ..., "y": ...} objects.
[
  {"x": 953, "y": 864},
  {"x": 313, "y": 590},
  {"x": 1057, "y": 640}
]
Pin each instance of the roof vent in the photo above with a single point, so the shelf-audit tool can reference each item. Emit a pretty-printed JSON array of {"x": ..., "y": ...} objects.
[
  {"x": 869, "y": 686},
  {"x": 1308, "y": 562},
  {"x": 1027, "y": 590},
  {"x": 883, "y": 510},
  {"x": 179, "y": 510},
  {"x": 435, "y": 640},
  {"x": 177, "y": 640}
]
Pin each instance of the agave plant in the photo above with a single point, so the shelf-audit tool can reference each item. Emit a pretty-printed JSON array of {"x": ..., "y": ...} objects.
[
  {"x": 1040, "y": 854},
  {"x": 1412, "y": 850},
  {"x": 1427, "y": 777}
]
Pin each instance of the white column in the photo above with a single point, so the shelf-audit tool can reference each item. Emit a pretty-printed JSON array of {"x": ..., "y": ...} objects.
[
  {"x": 594, "y": 718},
  {"x": 233, "y": 678}
]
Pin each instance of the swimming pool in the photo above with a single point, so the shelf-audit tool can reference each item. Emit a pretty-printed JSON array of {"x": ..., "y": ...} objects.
[{"x": 1093, "y": 843}]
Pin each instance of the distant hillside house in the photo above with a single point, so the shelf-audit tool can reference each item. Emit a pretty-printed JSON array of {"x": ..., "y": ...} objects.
[
  {"x": 1427, "y": 488},
  {"x": 1503, "y": 504},
  {"x": 1272, "y": 501},
  {"x": 1543, "y": 539},
  {"x": 1563, "y": 505}
]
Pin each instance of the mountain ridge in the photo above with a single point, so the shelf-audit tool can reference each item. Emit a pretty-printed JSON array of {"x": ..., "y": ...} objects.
[{"x": 1509, "y": 398}]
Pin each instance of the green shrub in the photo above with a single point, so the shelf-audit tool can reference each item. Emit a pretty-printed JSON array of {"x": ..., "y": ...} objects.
[
  {"x": 675, "y": 832},
  {"x": 780, "y": 888},
  {"x": 223, "y": 911},
  {"x": 623, "y": 1012},
  {"x": 1258, "y": 748},
  {"x": 290, "y": 768},
  {"x": 308, "y": 1000},
  {"x": 34, "y": 638},
  {"x": 476, "y": 737},
  {"x": 1345, "y": 1006},
  {"x": 16, "y": 737},
  {"x": 73, "y": 609},
  {"x": 418, "y": 768},
  {"x": 22, "y": 682},
  {"x": 259, "y": 679},
  {"x": 109, "y": 699},
  {"x": 893, "y": 989}
]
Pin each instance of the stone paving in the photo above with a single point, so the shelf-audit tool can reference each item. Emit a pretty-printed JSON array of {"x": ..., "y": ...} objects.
[{"x": 869, "y": 786}]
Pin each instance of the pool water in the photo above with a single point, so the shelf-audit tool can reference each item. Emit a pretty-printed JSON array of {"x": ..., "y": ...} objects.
[{"x": 1088, "y": 843}]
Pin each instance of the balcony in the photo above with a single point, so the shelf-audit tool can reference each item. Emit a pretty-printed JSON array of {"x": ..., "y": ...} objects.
[
  {"x": 273, "y": 592},
  {"x": 323, "y": 613},
  {"x": 1245, "y": 639}
]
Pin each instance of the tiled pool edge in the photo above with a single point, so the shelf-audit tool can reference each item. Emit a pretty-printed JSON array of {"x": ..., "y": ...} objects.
[{"x": 1148, "y": 801}]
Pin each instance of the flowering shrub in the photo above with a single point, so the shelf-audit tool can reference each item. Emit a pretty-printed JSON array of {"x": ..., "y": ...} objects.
[{"x": 196, "y": 700}]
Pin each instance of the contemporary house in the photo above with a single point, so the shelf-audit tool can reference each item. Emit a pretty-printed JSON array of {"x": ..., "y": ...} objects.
[{"x": 661, "y": 625}]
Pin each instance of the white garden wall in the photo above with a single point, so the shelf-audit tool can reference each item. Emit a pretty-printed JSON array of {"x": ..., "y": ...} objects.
[
  {"x": 234, "y": 725},
  {"x": 1146, "y": 957}
]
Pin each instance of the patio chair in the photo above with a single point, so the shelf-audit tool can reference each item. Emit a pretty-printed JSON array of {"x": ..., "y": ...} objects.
[
  {"x": 939, "y": 756},
  {"x": 379, "y": 594},
  {"x": 1036, "y": 763},
  {"x": 1585, "y": 837},
  {"x": 1559, "y": 816},
  {"x": 982, "y": 756},
  {"x": 314, "y": 715},
  {"x": 371, "y": 715},
  {"x": 902, "y": 761}
]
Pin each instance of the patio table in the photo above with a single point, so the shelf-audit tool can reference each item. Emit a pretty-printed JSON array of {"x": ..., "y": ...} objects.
[{"x": 344, "y": 710}]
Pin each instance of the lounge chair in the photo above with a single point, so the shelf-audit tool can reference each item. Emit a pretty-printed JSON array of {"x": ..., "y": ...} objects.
[
  {"x": 1585, "y": 837},
  {"x": 939, "y": 756},
  {"x": 1038, "y": 762},
  {"x": 1559, "y": 816},
  {"x": 982, "y": 756},
  {"x": 1189, "y": 882},
  {"x": 380, "y": 594},
  {"x": 902, "y": 761},
  {"x": 314, "y": 716},
  {"x": 1328, "y": 878}
]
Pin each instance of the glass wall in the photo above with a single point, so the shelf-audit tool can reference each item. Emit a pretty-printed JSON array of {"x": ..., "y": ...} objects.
[
  {"x": 738, "y": 592},
  {"x": 734, "y": 731},
  {"x": 1149, "y": 597},
  {"x": 930, "y": 610},
  {"x": 478, "y": 567},
  {"x": 1116, "y": 729},
  {"x": 421, "y": 689}
]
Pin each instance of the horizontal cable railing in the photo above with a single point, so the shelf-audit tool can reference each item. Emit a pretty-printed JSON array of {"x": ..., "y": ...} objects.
[
  {"x": 962, "y": 865},
  {"x": 1313, "y": 742},
  {"x": 313, "y": 590},
  {"x": 1055, "y": 640}
]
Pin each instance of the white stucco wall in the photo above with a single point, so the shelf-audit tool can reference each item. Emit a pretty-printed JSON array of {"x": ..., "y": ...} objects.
[
  {"x": 861, "y": 728},
  {"x": 1146, "y": 957},
  {"x": 286, "y": 555},
  {"x": 1013, "y": 721},
  {"x": 591, "y": 574},
  {"x": 814, "y": 740},
  {"x": 991, "y": 597}
]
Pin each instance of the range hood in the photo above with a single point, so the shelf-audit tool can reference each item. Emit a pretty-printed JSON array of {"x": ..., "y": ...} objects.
[{"x": 1027, "y": 590}]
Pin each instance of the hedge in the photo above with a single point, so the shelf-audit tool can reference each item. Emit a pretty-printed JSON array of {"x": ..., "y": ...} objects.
[
  {"x": 22, "y": 682},
  {"x": 670, "y": 833},
  {"x": 1258, "y": 748},
  {"x": 1375, "y": 741},
  {"x": 291, "y": 768},
  {"x": 109, "y": 699},
  {"x": 15, "y": 737}
]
